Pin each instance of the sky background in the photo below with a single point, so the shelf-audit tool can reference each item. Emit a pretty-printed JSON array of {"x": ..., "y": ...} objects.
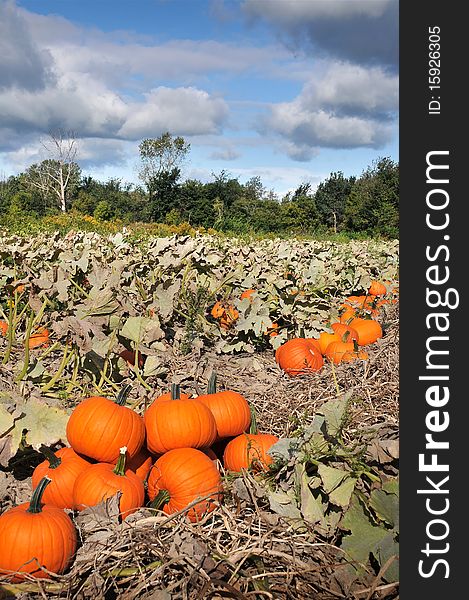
[{"x": 287, "y": 90}]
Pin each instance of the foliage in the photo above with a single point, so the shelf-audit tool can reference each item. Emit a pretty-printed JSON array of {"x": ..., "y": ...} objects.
[{"x": 340, "y": 487}]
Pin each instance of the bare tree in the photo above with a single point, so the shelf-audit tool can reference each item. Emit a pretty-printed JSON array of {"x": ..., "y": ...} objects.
[{"x": 54, "y": 175}]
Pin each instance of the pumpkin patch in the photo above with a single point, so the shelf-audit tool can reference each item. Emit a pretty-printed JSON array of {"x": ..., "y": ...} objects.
[{"x": 185, "y": 408}]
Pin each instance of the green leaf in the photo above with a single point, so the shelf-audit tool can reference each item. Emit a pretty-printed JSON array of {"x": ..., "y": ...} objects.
[
  {"x": 6, "y": 421},
  {"x": 331, "y": 477},
  {"x": 387, "y": 548},
  {"x": 311, "y": 507},
  {"x": 283, "y": 505},
  {"x": 334, "y": 413},
  {"x": 134, "y": 328},
  {"x": 364, "y": 537},
  {"x": 386, "y": 506},
  {"x": 342, "y": 494}
]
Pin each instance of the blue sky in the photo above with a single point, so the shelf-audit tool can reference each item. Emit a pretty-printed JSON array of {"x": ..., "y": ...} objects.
[{"x": 288, "y": 90}]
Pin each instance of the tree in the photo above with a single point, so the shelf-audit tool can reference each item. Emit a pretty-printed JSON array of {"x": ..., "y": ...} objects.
[
  {"x": 161, "y": 159},
  {"x": 55, "y": 176},
  {"x": 331, "y": 199},
  {"x": 373, "y": 204}
]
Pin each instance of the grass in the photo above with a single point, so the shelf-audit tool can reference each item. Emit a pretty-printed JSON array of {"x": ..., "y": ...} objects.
[{"x": 28, "y": 225}]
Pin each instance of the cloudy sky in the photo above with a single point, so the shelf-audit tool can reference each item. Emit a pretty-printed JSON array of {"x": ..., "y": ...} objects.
[{"x": 290, "y": 90}]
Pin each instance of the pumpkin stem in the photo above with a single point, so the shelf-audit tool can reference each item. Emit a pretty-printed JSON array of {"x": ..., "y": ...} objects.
[
  {"x": 346, "y": 336},
  {"x": 35, "y": 505},
  {"x": 212, "y": 383},
  {"x": 120, "y": 466},
  {"x": 162, "y": 498},
  {"x": 175, "y": 391},
  {"x": 123, "y": 394},
  {"x": 253, "y": 425},
  {"x": 54, "y": 460}
]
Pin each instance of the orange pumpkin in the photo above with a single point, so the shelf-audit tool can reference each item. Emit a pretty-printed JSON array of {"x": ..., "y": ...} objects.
[
  {"x": 272, "y": 331},
  {"x": 247, "y": 294},
  {"x": 298, "y": 356},
  {"x": 40, "y": 337},
  {"x": 62, "y": 468},
  {"x": 179, "y": 423},
  {"x": 341, "y": 329},
  {"x": 336, "y": 350},
  {"x": 103, "y": 480},
  {"x": 141, "y": 463},
  {"x": 230, "y": 409},
  {"x": 368, "y": 330},
  {"x": 3, "y": 328},
  {"x": 377, "y": 289},
  {"x": 225, "y": 313},
  {"x": 35, "y": 535},
  {"x": 99, "y": 427},
  {"x": 181, "y": 476},
  {"x": 249, "y": 450},
  {"x": 326, "y": 338}
]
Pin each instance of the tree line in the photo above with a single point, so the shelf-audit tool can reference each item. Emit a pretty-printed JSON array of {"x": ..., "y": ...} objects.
[{"x": 367, "y": 204}]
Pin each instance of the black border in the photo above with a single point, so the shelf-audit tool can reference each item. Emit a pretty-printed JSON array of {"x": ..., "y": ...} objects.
[{"x": 420, "y": 133}]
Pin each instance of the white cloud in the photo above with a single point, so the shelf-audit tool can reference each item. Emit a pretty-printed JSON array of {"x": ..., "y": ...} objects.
[
  {"x": 347, "y": 106},
  {"x": 182, "y": 111}
]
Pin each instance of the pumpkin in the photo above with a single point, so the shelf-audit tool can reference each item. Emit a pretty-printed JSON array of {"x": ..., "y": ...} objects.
[
  {"x": 98, "y": 427},
  {"x": 355, "y": 355},
  {"x": 341, "y": 329},
  {"x": 368, "y": 330},
  {"x": 40, "y": 337},
  {"x": 103, "y": 480},
  {"x": 249, "y": 450},
  {"x": 229, "y": 317},
  {"x": 3, "y": 328},
  {"x": 141, "y": 463},
  {"x": 377, "y": 289},
  {"x": 272, "y": 331},
  {"x": 347, "y": 313},
  {"x": 181, "y": 476},
  {"x": 179, "y": 423},
  {"x": 36, "y": 535},
  {"x": 225, "y": 313},
  {"x": 326, "y": 338},
  {"x": 62, "y": 468},
  {"x": 299, "y": 355},
  {"x": 336, "y": 351},
  {"x": 230, "y": 409},
  {"x": 247, "y": 294},
  {"x": 217, "y": 310}
]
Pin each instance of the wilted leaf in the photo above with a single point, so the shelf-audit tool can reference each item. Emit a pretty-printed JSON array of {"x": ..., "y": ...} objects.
[
  {"x": 334, "y": 412},
  {"x": 341, "y": 495},
  {"x": 386, "y": 506},
  {"x": 331, "y": 477},
  {"x": 44, "y": 424},
  {"x": 364, "y": 537},
  {"x": 283, "y": 505}
]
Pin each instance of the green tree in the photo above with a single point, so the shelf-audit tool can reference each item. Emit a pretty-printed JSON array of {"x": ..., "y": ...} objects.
[
  {"x": 373, "y": 204},
  {"x": 161, "y": 159},
  {"x": 331, "y": 200}
]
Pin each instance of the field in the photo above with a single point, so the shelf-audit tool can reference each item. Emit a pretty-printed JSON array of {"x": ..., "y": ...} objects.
[{"x": 84, "y": 314}]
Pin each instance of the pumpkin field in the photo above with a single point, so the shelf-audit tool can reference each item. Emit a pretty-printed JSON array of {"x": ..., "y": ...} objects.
[{"x": 198, "y": 417}]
